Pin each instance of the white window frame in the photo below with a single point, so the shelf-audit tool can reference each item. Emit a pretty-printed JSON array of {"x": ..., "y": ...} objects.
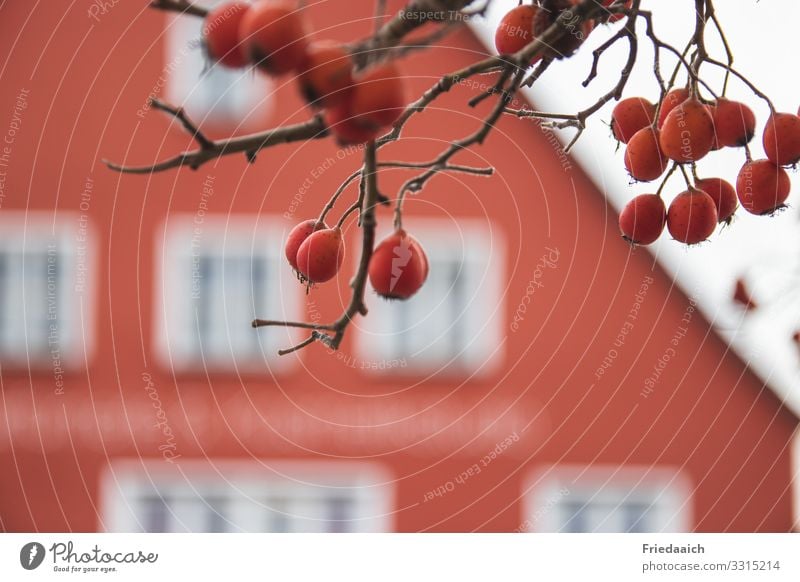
[
  {"x": 57, "y": 234},
  {"x": 189, "y": 73},
  {"x": 547, "y": 490},
  {"x": 249, "y": 491},
  {"x": 481, "y": 322},
  {"x": 185, "y": 236}
]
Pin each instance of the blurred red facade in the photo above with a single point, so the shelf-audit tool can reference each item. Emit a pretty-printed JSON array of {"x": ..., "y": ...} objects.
[{"x": 554, "y": 378}]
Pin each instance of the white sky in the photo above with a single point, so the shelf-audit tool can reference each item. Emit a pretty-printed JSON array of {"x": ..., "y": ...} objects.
[{"x": 763, "y": 36}]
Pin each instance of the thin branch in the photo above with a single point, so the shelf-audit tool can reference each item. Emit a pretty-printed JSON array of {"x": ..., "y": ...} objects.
[
  {"x": 180, "y": 114},
  {"x": 357, "y": 305},
  {"x": 182, "y": 6},
  {"x": 314, "y": 128}
]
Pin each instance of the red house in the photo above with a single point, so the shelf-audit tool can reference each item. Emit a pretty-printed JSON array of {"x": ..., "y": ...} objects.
[{"x": 547, "y": 378}]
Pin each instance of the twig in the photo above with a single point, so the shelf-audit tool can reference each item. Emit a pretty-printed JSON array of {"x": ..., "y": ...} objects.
[
  {"x": 357, "y": 305},
  {"x": 314, "y": 128},
  {"x": 182, "y": 6}
]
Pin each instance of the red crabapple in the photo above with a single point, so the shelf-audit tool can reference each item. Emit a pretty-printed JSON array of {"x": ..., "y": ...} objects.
[
  {"x": 688, "y": 132},
  {"x": 670, "y": 102},
  {"x": 221, "y": 34},
  {"x": 326, "y": 74},
  {"x": 399, "y": 266},
  {"x": 643, "y": 218},
  {"x": 376, "y": 100},
  {"x": 630, "y": 115},
  {"x": 516, "y": 30},
  {"x": 643, "y": 157},
  {"x": 273, "y": 36},
  {"x": 762, "y": 187},
  {"x": 692, "y": 217},
  {"x": 321, "y": 255},
  {"x": 782, "y": 139},
  {"x": 723, "y": 194},
  {"x": 297, "y": 236},
  {"x": 734, "y": 123}
]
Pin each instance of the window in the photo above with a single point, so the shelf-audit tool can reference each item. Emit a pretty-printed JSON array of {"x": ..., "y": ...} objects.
[
  {"x": 454, "y": 321},
  {"x": 207, "y": 91},
  {"x": 607, "y": 499},
  {"x": 218, "y": 274},
  {"x": 40, "y": 292},
  {"x": 246, "y": 496}
]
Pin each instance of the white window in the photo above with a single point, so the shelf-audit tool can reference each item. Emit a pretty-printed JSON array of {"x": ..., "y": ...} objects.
[
  {"x": 246, "y": 496},
  {"x": 210, "y": 92},
  {"x": 453, "y": 323},
  {"x": 572, "y": 499},
  {"x": 43, "y": 313},
  {"x": 217, "y": 275}
]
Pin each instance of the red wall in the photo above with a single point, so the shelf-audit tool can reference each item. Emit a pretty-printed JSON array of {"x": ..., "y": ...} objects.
[{"x": 707, "y": 414}]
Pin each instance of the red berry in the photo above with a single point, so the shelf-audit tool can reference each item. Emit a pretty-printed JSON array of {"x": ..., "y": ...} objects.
[
  {"x": 344, "y": 128},
  {"x": 782, "y": 139},
  {"x": 399, "y": 266},
  {"x": 630, "y": 115},
  {"x": 515, "y": 30},
  {"x": 643, "y": 157},
  {"x": 320, "y": 255},
  {"x": 221, "y": 34},
  {"x": 742, "y": 296},
  {"x": 692, "y": 217},
  {"x": 762, "y": 187},
  {"x": 327, "y": 74},
  {"x": 273, "y": 36},
  {"x": 723, "y": 194},
  {"x": 688, "y": 132},
  {"x": 376, "y": 100},
  {"x": 734, "y": 123},
  {"x": 670, "y": 102},
  {"x": 296, "y": 237},
  {"x": 643, "y": 218}
]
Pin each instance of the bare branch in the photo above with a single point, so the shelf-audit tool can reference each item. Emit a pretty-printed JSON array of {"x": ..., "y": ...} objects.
[
  {"x": 182, "y": 6},
  {"x": 248, "y": 144}
]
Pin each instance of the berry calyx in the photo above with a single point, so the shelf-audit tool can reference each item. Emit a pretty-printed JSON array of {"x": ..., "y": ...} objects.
[
  {"x": 643, "y": 157},
  {"x": 296, "y": 238},
  {"x": 327, "y": 74},
  {"x": 398, "y": 267},
  {"x": 643, "y": 218},
  {"x": 762, "y": 187},
  {"x": 692, "y": 217},
  {"x": 273, "y": 37},
  {"x": 221, "y": 34},
  {"x": 629, "y": 116},
  {"x": 723, "y": 194},
  {"x": 782, "y": 139},
  {"x": 734, "y": 123},
  {"x": 688, "y": 132},
  {"x": 515, "y": 30},
  {"x": 321, "y": 255}
]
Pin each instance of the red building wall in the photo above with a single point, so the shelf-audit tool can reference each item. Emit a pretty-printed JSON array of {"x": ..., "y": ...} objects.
[{"x": 707, "y": 414}]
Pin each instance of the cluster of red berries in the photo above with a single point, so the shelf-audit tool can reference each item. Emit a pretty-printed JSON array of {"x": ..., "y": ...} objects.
[
  {"x": 684, "y": 129},
  {"x": 524, "y": 23},
  {"x": 273, "y": 36},
  {"x": 397, "y": 270}
]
